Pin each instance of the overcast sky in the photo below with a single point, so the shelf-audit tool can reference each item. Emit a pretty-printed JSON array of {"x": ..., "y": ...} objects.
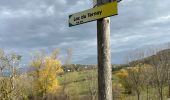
[{"x": 27, "y": 26}]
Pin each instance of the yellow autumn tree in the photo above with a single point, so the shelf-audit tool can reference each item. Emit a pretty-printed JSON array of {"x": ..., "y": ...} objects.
[
  {"x": 123, "y": 76},
  {"x": 44, "y": 72},
  {"x": 134, "y": 78}
]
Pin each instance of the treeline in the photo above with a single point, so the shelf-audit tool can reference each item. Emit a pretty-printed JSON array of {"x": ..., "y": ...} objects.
[
  {"x": 150, "y": 75},
  {"x": 80, "y": 67},
  {"x": 77, "y": 67}
]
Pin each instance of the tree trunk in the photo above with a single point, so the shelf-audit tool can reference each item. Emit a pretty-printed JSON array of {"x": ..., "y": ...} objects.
[
  {"x": 147, "y": 92},
  {"x": 161, "y": 93},
  {"x": 138, "y": 95},
  {"x": 169, "y": 91}
]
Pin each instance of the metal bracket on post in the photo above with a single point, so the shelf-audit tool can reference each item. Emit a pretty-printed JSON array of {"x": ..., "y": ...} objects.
[{"x": 95, "y": 4}]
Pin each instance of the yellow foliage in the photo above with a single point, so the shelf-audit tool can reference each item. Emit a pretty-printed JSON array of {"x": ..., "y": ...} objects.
[
  {"x": 131, "y": 73},
  {"x": 123, "y": 73},
  {"x": 139, "y": 67},
  {"x": 44, "y": 75}
]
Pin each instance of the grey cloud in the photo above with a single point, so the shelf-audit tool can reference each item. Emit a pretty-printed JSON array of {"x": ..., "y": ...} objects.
[{"x": 28, "y": 25}]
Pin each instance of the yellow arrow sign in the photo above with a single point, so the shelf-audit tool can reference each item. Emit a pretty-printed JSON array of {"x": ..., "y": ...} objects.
[{"x": 89, "y": 15}]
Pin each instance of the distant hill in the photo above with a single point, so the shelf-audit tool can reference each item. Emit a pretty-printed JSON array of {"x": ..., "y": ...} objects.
[{"x": 161, "y": 55}]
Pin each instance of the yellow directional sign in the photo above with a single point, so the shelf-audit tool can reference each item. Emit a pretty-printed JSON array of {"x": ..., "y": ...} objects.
[{"x": 89, "y": 15}]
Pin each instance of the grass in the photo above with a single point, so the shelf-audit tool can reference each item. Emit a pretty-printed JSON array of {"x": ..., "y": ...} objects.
[
  {"x": 78, "y": 84},
  {"x": 71, "y": 77},
  {"x": 81, "y": 83}
]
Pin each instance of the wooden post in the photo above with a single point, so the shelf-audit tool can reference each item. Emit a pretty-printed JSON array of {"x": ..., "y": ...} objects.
[{"x": 104, "y": 57}]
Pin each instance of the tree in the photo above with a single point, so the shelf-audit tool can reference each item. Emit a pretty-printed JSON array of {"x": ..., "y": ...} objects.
[
  {"x": 92, "y": 85},
  {"x": 137, "y": 69},
  {"x": 123, "y": 76},
  {"x": 8, "y": 74},
  {"x": 69, "y": 56},
  {"x": 134, "y": 78},
  {"x": 137, "y": 78},
  {"x": 160, "y": 72},
  {"x": 44, "y": 74}
]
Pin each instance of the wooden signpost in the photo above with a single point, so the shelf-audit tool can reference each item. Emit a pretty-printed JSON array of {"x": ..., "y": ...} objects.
[{"x": 101, "y": 13}]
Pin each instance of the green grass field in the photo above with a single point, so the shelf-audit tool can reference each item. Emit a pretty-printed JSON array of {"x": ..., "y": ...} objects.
[{"x": 79, "y": 85}]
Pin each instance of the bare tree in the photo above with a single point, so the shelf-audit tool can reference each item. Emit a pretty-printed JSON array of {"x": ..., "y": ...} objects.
[
  {"x": 137, "y": 79},
  {"x": 92, "y": 85},
  {"x": 161, "y": 66},
  {"x": 69, "y": 56},
  {"x": 8, "y": 65},
  {"x": 68, "y": 59},
  {"x": 138, "y": 76}
]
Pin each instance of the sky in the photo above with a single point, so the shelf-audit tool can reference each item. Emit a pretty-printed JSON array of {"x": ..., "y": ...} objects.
[{"x": 27, "y": 26}]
